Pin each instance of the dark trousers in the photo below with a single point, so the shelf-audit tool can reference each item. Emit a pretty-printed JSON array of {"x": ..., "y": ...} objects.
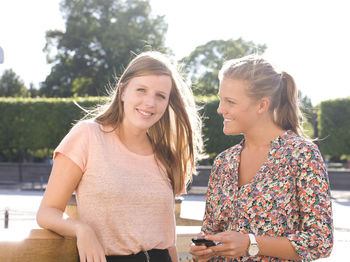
[{"x": 153, "y": 255}]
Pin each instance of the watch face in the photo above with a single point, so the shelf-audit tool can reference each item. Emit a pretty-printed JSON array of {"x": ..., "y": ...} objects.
[{"x": 253, "y": 250}]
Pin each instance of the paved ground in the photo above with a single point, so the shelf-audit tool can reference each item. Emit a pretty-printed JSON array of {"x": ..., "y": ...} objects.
[{"x": 22, "y": 206}]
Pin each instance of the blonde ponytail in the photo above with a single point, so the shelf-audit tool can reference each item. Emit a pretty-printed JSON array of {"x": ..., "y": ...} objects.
[{"x": 287, "y": 114}]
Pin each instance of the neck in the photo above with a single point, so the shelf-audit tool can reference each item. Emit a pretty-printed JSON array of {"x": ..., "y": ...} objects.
[
  {"x": 261, "y": 135},
  {"x": 136, "y": 141}
]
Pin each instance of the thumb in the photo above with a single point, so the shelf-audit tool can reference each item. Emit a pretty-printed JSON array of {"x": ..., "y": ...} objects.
[{"x": 200, "y": 234}]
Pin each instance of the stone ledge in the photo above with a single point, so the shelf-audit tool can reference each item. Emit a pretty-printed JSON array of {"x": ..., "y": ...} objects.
[
  {"x": 36, "y": 245},
  {"x": 41, "y": 245}
]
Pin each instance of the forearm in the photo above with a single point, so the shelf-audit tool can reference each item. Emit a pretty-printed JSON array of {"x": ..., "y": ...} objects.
[
  {"x": 279, "y": 247},
  {"x": 57, "y": 221},
  {"x": 173, "y": 253}
]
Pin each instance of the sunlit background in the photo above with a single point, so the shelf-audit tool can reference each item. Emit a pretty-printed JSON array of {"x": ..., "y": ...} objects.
[{"x": 309, "y": 39}]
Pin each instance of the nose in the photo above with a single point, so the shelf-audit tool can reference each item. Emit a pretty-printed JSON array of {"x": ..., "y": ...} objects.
[
  {"x": 220, "y": 109},
  {"x": 150, "y": 100}
]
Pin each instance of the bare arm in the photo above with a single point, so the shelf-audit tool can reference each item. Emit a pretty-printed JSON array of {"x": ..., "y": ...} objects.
[
  {"x": 173, "y": 253},
  {"x": 235, "y": 244},
  {"x": 64, "y": 178},
  {"x": 277, "y": 247}
]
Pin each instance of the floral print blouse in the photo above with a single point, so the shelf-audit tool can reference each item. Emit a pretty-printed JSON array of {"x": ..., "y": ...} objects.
[{"x": 288, "y": 197}]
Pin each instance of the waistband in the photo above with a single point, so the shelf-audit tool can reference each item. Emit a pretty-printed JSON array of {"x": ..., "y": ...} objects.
[{"x": 153, "y": 255}]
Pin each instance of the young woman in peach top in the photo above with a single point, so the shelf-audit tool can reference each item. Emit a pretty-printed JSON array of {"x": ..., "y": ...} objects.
[{"x": 126, "y": 164}]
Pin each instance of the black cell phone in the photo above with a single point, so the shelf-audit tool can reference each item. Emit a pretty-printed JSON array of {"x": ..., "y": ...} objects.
[{"x": 198, "y": 241}]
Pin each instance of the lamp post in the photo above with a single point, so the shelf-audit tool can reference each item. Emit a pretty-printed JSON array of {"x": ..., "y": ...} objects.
[{"x": 6, "y": 224}]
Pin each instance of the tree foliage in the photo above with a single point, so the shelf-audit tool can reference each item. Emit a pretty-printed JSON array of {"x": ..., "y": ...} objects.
[
  {"x": 11, "y": 85},
  {"x": 203, "y": 64},
  {"x": 97, "y": 44},
  {"x": 306, "y": 107},
  {"x": 309, "y": 115}
]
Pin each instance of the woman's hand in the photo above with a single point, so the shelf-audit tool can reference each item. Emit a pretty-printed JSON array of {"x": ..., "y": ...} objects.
[
  {"x": 89, "y": 248},
  {"x": 232, "y": 244},
  {"x": 201, "y": 253}
]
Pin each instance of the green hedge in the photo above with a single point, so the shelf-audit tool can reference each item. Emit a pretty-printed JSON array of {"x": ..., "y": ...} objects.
[
  {"x": 34, "y": 126},
  {"x": 334, "y": 126},
  {"x": 31, "y": 128},
  {"x": 215, "y": 140}
]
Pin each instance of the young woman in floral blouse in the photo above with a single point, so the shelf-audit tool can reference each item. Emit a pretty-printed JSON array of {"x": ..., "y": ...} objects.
[{"x": 268, "y": 197}]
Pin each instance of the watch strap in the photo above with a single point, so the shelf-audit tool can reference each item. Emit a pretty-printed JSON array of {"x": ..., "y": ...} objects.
[
  {"x": 252, "y": 239},
  {"x": 253, "y": 248}
]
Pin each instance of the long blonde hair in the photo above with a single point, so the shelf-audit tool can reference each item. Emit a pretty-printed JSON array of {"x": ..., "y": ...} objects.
[
  {"x": 176, "y": 138},
  {"x": 265, "y": 81}
]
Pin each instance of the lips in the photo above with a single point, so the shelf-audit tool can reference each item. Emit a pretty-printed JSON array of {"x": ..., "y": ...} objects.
[{"x": 144, "y": 113}]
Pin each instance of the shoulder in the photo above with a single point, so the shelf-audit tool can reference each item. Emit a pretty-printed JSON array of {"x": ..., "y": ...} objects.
[
  {"x": 84, "y": 130},
  {"x": 87, "y": 126},
  {"x": 299, "y": 145},
  {"x": 303, "y": 145},
  {"x": 228, "y": 153},
  {"x": 225, "y": 157},
  {"x": 303, "y": 153},
  {"x": 301, "y": 142}
]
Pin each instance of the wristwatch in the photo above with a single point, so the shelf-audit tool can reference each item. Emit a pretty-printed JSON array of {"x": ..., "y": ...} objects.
[{"x": 253, "y": 248}]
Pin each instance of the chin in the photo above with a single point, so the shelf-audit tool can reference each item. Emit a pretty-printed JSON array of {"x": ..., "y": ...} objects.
[
  {"x": 227, "y": 132},
  {"x": 231, "y": 132}
]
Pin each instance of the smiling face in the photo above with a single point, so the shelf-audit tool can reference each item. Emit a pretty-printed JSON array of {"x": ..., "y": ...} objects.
[
  {"x": 237, "y": 108},
  {"x": 145, "y": 99}
]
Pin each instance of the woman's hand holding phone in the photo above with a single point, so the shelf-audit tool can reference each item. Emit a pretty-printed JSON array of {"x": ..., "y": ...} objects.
[
  {"x": 199, "y": 241},
  {"x": 200, "y": 248}
]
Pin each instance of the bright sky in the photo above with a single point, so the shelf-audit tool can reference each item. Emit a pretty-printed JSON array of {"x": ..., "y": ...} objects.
[{"x": 308, "y": 38}]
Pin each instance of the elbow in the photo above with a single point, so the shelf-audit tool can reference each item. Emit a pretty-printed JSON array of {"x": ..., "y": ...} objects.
[
  {"x": 326, "y": 251},
  {"x": 42, "y": 217},
  {"x": 39, "y": 218},
  {"x": 297, "y": 257},
  {"x": 326, "y": 245}
]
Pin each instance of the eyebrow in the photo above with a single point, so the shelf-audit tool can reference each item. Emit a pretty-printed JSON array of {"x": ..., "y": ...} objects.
[
  {"x": 227, "y": 97},
  {"x": 158, "y": 91}
]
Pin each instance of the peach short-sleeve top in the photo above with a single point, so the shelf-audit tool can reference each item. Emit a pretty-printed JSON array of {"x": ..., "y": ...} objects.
[{"x": 125, "y": 197}]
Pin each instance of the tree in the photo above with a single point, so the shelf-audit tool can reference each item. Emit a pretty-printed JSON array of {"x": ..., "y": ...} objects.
[
  {"x": 203, "y": 64},
  {"x": 309, "y": 115},
  {"x": 99, "y": 40},
  {"x": 11, "y": 85},
  {"x": 32, "y": 91},
  {"x": 306, "y": 106}
]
